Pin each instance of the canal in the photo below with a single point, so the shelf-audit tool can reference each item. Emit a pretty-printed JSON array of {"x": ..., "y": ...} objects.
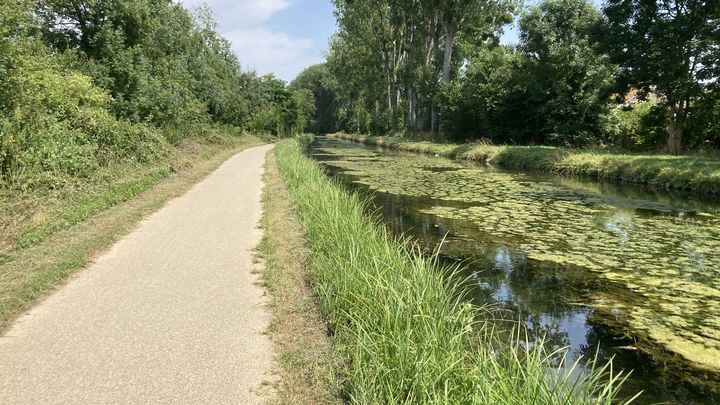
[{"x": 623, "y": 272}]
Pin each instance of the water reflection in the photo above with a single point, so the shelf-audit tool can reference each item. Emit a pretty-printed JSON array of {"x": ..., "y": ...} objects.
[
  {"x": 630, "y": 272},
  {"x": 621, "y": 224}
]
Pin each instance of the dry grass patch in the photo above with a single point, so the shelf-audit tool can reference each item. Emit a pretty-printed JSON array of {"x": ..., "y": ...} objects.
[{"x": 307, "y": 361}]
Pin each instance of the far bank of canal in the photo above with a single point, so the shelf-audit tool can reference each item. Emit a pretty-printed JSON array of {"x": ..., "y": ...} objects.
[{"x": 633, "y": 272}]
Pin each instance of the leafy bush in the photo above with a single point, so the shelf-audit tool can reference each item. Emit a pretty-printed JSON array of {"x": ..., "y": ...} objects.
[
  {"x": 56, "y": 122},
  {"x": 704, "y": 125},
  {"x": 638, "y": 127}
]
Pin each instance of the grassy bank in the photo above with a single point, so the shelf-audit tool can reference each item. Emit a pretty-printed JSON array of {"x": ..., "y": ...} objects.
[
  {"x": 402, "y": 330},
  {"x": 690, "y": 173},
  {"x": 49, "y": 233},
  {"x": 307, "y": 362}
]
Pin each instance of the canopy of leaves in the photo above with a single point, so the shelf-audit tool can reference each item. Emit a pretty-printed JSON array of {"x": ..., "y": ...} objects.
[
  {"x": 318, "y": 80},
  {"x": 553, "y": 88},
  {"x": 574, "y": 79}
]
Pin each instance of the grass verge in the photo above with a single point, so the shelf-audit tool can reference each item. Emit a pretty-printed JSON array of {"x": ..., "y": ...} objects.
[
  {"x": 298, "y": 331},
  {"x": 70, "y": 227},
  {"x": 689, "y": 173},
  {"x": 403, "y": 330}
]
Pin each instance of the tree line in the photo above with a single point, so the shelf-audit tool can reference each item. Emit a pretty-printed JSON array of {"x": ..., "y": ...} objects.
[
  {"x": 86, "y": 81},
  {"x": 636, "y": 74}
]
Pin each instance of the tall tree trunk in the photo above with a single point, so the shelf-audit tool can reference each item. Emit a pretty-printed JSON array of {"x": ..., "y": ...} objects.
[
  {"x": 388, "y": 103},
  {"x": 394, "y": 96},
  {"x": 674, "y": 139},
  {"x": 376, "y": 116},
  {"x": 421, "y": 113},
  {"x": 410, "y": 118},
  {"x": 434, "y": 120},
  {"x": 447, "y": 57},
  {"x": 676, "y": 128},
  {"x": 447, "y": 64},
  {"x": 433, "y": 96}
]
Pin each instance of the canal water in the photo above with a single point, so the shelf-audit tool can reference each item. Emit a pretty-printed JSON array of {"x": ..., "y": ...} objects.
[{"x": 622, "y": 271}]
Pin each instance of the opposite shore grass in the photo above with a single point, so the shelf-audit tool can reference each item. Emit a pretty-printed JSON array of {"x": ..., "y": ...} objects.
[
  {"x": 695, "y": 174},
  {"x": 401, "y": 328},
  {"x": 47, "y": 237}
]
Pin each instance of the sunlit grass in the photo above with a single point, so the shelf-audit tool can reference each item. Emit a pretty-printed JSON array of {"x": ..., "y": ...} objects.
[{"x": 403, "y": 329}]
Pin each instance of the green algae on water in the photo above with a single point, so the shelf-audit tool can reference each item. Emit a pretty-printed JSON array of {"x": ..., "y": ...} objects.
[{"x": 666, "y": 259}]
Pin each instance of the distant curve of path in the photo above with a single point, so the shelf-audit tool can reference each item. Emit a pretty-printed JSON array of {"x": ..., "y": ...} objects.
[{"x": 171, "y": 314}]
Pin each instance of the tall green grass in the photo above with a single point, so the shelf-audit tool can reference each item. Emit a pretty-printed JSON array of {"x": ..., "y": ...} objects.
[
  {"x": 403, "y": 329},
  {"x": 698, "y": 174}
]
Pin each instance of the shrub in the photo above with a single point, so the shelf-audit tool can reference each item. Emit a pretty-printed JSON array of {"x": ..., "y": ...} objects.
[{"x": 638, "y": 127}]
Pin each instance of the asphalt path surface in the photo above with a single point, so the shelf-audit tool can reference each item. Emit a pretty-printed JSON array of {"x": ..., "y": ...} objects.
[{"x": 172, "y": 313}]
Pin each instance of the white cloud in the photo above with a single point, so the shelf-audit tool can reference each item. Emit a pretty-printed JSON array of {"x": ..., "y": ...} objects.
[
  {"x": 258, "y": 46},
  {"x": 268, "y": 51}
]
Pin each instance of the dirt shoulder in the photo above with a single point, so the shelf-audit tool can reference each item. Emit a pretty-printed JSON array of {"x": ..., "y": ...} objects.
[{"x": 307, "y": 362}]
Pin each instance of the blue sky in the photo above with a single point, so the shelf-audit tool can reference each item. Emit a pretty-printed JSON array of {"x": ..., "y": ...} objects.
[{"x": 283, "y": 36}]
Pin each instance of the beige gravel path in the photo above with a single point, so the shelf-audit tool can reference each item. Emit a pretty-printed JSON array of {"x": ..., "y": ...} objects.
[{"x": 171, "y": 314}]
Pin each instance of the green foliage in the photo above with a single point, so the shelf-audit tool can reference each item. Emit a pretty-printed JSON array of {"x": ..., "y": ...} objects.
[
  {"x": 303, "y": 105},
  {"x": 435, "y": 66},
  {"x": 55, "y": 122},
  {"x": 280, "y": 111},
  {"x": 141, "y": 52},
  {"x": 638, "y": 127},
  {"x": 554, "y": 89},
  {"x": 359, "y": 105},
  {"x": 483, "y": 102},
  {"x": 161, "y": 63},
  {"x": 393, "y": 57},
  {"x": 323, "y": 86},
  {"x": 568, "y": 81},
  {"x": 667, "y": 47},
  {"x": 85, "y": 83},
  {"x": 704, "y": 123}
]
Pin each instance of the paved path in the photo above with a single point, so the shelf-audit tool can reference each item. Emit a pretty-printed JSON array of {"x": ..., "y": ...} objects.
[{"x": 171, "y": 314}]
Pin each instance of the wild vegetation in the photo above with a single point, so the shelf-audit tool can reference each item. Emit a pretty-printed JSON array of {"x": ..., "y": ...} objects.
[
  {"x": 402, "y": 329},
  {"x": 88, "y": 84},
  {"x": 637, "y": 75},
  {"x": 102, "y": 99}
]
